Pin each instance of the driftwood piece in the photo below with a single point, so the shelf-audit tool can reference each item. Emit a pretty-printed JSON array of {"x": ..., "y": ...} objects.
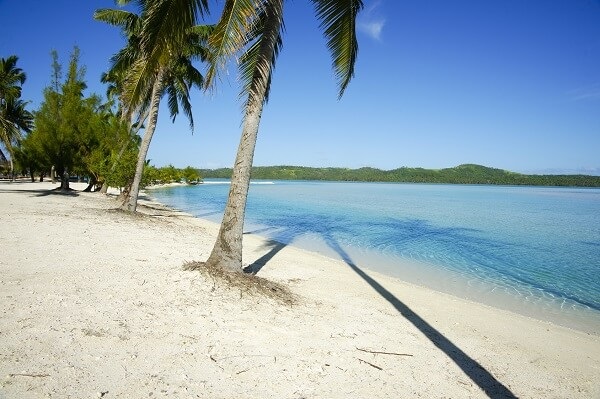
[
  {"x": 370, "y": 364},
  {"x": 383, "y": 353}
]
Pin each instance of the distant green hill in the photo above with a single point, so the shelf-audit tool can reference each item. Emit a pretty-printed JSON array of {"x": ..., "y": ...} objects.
[{"x": 462, "y": 174}]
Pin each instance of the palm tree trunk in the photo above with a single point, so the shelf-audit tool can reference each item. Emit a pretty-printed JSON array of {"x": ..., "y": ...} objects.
[
  {"x": 124, "y": 147},
  {"x": 12, "y": 169},
  {"x": 130, "y": 201},
  {"x": 104, "y": 188},
  {"x": 227, "y": 252}
]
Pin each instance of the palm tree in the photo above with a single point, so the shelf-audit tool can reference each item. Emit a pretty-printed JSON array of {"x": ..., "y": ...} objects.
[
  {"x": 11, "y": 78},
  {"x": 256, "y": 27},
  {"x": 14, "y": 118},
  {"x": 163, "y": 41}
]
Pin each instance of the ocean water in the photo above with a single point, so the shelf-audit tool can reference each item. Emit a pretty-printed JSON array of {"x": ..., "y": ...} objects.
[{"x": 534, "y": 250}]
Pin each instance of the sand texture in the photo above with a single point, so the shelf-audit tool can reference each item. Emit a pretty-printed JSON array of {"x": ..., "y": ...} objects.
[{"x": 95, "y": 303}]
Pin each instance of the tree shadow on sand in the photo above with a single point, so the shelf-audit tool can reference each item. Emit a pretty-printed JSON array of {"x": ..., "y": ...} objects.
[
  {"x": 44, "y": 193},
  {"x": 475, "y": 371}
]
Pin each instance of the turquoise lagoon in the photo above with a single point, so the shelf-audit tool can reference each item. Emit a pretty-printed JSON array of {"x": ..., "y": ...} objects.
[{"x": 533, "y": 250}]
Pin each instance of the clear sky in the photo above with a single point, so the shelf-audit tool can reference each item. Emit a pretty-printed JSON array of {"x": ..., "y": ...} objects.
[{"x": 512, "y": 84}]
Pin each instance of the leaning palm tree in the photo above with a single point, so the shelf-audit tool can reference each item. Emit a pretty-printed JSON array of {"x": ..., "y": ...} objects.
[
  {"x": 163, "y": 41},
  {"x": 175, "y": 79},
  {"x": 256, "y": 27}
]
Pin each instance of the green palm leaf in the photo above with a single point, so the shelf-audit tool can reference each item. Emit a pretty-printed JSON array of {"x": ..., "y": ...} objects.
[
  {"x": 11, "y": 78},
  {"x": 256, "y": 68},
  {"x": 127, "y": 21},
  {"x": 338, "y": 21},
  {"x": 230, "y": 34}
]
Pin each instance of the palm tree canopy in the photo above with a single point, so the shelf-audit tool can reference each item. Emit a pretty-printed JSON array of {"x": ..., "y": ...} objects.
[
  {"x": 231, "y": 33},
  {"x": 11, "y": 78},
  {"x": 14, "y": 118},
  {"x": 162, "y": 38},
  {"x": 239, "y": 30},
  {"x": 264, "y": 37},
  {"x": 15, "y": 112}
]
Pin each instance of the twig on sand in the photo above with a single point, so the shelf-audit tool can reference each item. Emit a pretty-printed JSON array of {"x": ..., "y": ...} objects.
[
  {"x": 28, "y": 375},
  {"x": 215, "y": 360},
  {"x": 384, "y": 353},
  {"x": 370, "y": 364}
]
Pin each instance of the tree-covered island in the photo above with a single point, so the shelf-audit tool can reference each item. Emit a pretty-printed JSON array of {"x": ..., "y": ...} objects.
[{"x": 462, "y": 174}]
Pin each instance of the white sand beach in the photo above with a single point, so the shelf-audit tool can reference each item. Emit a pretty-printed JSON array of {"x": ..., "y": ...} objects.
[{"x": 95, "y": 304}]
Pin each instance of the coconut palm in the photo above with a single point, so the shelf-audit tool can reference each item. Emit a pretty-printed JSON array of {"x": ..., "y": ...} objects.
[
  {"x": 11, "y": 78},
  {"x": 14, "y": 118},
  {"x": 256, "y": 27},
  {"x": 163, "y": 41}
]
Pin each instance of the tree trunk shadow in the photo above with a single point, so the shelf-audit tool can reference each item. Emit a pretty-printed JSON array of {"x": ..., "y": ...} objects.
[
  {"x": 258, "y": 264},
  {"x": 475, "y": 371}
]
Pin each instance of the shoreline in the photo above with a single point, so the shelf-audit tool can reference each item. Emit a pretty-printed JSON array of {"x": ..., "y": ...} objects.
[
  {"x": 525, "y": 301},
  {"x": 96, "y": 301}
]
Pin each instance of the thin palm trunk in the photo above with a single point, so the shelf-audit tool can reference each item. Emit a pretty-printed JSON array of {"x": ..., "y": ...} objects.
[
  {"x": 124, "y": 147},
  {"x": 227, "y": 252},
  {"x": 130, "y": 201},
  {"x": 12, "y": 168}
]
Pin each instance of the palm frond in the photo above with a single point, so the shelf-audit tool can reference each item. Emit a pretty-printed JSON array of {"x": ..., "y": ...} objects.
[
  {"x": 14, "y": 119},
  {"x": 230, "y": 34},
  {"x": 138, "y": 84},
  {"x": 127, "y": 21},
  {"x": 257, "y": 63},
  {"x": 168, "y": 21},
  {"x": 11, "y": 78},
  {"x": 338, "y": 21},
  {"x": 179, "y": 80}
]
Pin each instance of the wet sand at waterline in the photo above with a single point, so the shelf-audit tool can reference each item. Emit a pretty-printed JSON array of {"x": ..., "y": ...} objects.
[{"x": 95, "y": 303}]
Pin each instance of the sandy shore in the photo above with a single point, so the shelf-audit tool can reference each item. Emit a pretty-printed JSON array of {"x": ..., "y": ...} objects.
[{"x": 95, "y": 303}]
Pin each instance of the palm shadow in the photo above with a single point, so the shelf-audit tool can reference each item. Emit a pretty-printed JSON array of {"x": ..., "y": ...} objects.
[
  {"x": 45, "y": 193},
  {"x": 473, "y": 369},
  {"x": 58, "y": 191},
  {"x": 275, "y": 247}
]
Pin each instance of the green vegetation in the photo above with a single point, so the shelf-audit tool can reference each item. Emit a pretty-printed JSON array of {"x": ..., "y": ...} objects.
[
  {"x": 463, "y": 174},
  {"x": 14, "y": 118},
  {"x": 169, "y": 174},
  {"x": 68, "y": 126},
  {"x": 79, "y": 135}
]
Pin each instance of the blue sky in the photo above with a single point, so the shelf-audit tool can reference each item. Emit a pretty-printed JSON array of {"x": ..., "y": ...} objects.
[{"x": 512, "y": 84}]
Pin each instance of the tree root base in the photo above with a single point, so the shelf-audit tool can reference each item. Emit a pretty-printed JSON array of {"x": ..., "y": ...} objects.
[{"x": 248, "y": 284}]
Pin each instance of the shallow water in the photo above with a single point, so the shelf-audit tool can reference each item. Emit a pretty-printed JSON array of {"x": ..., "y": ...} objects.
[{"x": 535, "y": 250}]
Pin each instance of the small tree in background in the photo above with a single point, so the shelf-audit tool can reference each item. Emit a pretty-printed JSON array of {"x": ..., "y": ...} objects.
[
  {"x": 191, "y": 175},
  {"x": 68, "y": 126}
]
